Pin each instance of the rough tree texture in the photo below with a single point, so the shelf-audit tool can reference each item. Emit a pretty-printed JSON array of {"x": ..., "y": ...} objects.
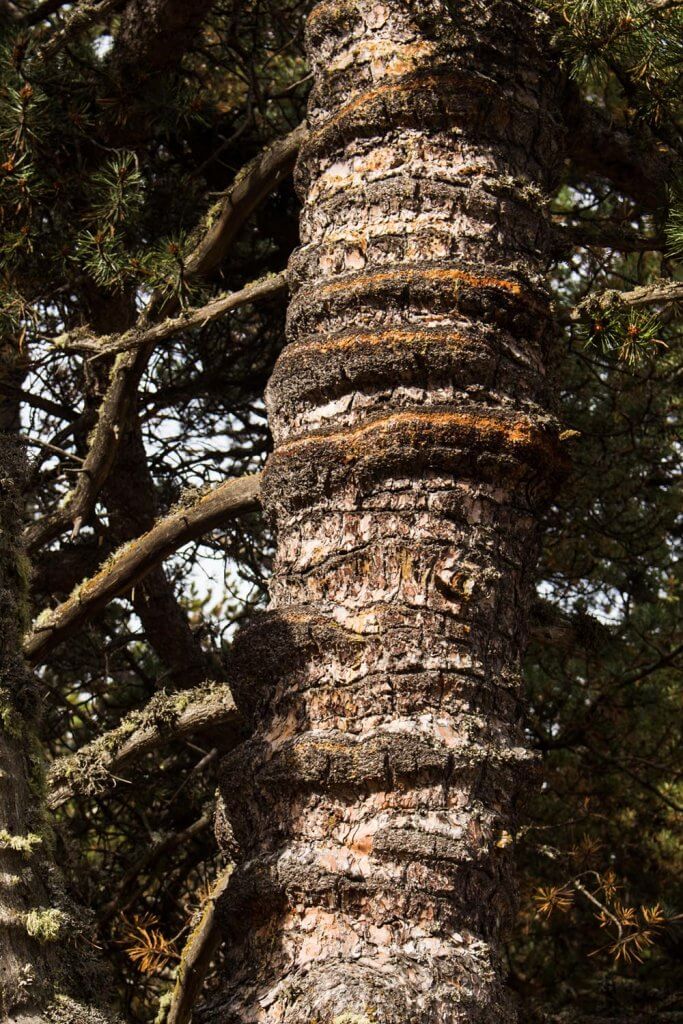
[
  {"x": 21, "y": 889},
  {"x": 45, "y": 954},
  {"x": 413, "y": 448},
  {"x": 154, "y": 34}
]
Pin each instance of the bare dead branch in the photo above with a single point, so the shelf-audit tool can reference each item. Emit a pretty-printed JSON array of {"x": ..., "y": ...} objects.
[
  {"x": 134, "y": 560},
  {"x": 117, "y": 406},
  {"x": 35, "y": 442},
  {"x": 130, "y": 888},
  {"x": 37, "y": 401},
  {"x": 186, "y": 659}
]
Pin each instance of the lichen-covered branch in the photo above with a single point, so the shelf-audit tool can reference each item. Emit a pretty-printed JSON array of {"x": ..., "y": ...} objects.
[
  {"x": 79, "y": 19},
  {"x": 130, "y": 563},
  {"x": 266, "y": 288},
  {"x": 167, "y": 717},
  {"x": 252, "y": 185},
  {"x": 658, "y": 293},
  {"x": 196, "y": 957}
]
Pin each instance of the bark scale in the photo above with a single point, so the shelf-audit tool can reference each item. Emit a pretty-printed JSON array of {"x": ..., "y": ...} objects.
[{"x": 413, "y": 451}]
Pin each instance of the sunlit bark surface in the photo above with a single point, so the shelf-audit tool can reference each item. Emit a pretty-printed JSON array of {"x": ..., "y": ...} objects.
[{"x": 413, "y": 450}]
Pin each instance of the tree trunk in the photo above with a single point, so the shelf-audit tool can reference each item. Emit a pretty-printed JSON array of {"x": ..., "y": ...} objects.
[
  {"x": 47, "y": 964},
  {"x": 413, "y": 451}
]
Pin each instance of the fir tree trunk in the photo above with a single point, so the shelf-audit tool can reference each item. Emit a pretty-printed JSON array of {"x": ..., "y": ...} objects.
[
  {"x": 24, "y": 960},
  {"x": 413, "y": 451},
  {"x": 48, "y": 970}
]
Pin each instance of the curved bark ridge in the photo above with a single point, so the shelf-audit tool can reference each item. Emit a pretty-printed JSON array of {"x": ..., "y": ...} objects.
[{"x": 412, "y": 451}]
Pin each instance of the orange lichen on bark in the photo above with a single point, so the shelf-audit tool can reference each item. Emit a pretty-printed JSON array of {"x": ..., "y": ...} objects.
[
  {"x": 433, "y": 274},
  {"x": 479, "y": 431},
  {"x": 451, "y": 339}
]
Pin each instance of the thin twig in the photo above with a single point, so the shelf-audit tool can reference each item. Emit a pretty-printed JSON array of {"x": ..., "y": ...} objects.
[{"x": 36, "y": 443}]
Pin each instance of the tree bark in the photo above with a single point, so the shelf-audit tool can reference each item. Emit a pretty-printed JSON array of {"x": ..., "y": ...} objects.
[
  {"x": 131, "y": 503},
  {"x": 413, "y": 450},
  {"x": 154, "y": 35},
  {"x": 47, "y": 967}
]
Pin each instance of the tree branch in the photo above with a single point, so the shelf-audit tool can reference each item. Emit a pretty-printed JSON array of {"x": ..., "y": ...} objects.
[
  {"x": 252, "y": 185},
  {"x": 168, "y": 717},
  {"x": 661, "y": 292},
  {"x": 63, "y": 412},
  {"x": 636, "y": 163},
  {"x": 607, "y": 235},
  {"x": 115, "y": 410},
  {"x": 154, "y": 35},
  {"x": 129, "y": 496},
  {"x": 127, "y": 891},
  {"x": 111, "y": 345},
  {"x": 42, "y": 11},
  {"x": 134, "y": 560},
  {"x": 196, "y": 956},
  {"x": 248, "y": 189},
  {"x": 81, "y": 16}
]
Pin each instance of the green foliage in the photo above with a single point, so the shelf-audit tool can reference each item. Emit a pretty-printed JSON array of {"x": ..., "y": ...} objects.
[
  {"x": 674, "y": 226},
  {"x": 630, "y": 334},
  {"x": 602, "y": 862},
  {"x": 638, "y": 43}
]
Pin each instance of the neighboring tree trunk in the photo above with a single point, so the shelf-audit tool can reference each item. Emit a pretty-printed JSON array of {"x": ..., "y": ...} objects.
[
  {"x": 130, "y": 500},
  {"x": 413, "y": 449},
  {"x": 46, "y": 955}
]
